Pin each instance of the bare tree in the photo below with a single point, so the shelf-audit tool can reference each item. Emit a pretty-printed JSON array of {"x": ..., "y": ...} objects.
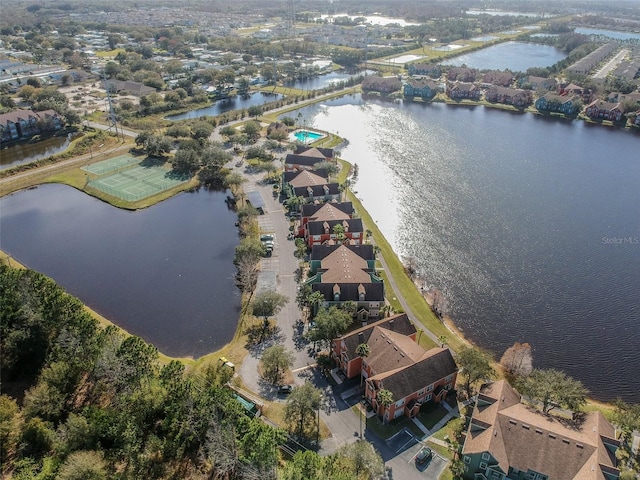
[{"x": 517, "y": 359}]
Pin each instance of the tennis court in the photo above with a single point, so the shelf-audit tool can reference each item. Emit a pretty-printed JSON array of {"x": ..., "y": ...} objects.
[
  {"x": 138, "y": 182},
  {"x": 111, "y": 165}
]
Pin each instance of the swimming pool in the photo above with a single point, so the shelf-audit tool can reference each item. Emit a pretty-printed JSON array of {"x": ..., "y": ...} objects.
[{"x": 307, "y": 136}]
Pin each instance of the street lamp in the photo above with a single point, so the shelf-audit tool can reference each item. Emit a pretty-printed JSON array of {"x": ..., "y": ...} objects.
[{"x": 363, "y": 405}]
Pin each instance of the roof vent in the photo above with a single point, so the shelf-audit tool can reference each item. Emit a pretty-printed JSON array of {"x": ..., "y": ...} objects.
[
  {"x": 538, "y": 431},
  {"x": 551, "y": 435},
  {"x": 564, "y": 440},
  {"x": 526, "y": 427},
  {"x": 513, "y": 422},
  {"x": 579, "y": 445}
]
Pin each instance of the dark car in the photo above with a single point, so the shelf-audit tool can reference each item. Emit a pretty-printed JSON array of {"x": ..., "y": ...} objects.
[
  {"x": 284, "y": 389},
  {"x": 423, "y": 457}
]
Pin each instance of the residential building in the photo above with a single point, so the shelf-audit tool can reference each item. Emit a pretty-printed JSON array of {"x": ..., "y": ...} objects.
[
  {"x": 396, "y": 363},
  {"x": 496, "y": 77},
  {"x": 508, "y": 96},
  {"x": 320, "y": 252},
  {"x": 508, "y": 440},
  {"x": 552, "y": 102},
  {"x": 462, "y": 74},
  {"x": 329, "y": 192},
  {"x": 320, "y": 212},
  {"x": 605, "y": 110},
  {"x": 573, "y": 89},
  {"x": 535, "y": 83},
  {"x": 383, "y": 85},
  {"x": 305, "y": 158},
  {"x": 327, "y": 153},
  {"x": 461, "y": 91},
  {"x": 21, "y": 124},
  {"x": 303, "y": 178},
  {"x": 429, "y": 69},
  {"x": 426, "y": 89},
  {"x": 125, "y": 86},
  {"x": 318, "y": 232}
]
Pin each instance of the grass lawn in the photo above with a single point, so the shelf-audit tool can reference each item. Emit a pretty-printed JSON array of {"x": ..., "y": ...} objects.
[
  {"x": 432, "y": 416},
  {"x": 375, "y": 425},
  {"x": 449, "y": 429}
]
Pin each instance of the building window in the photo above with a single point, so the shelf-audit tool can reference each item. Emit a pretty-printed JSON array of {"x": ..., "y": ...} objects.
[
  {"x": 483, "y": 466},
  {"x": 427, "y": 398},
  {"x": 429, "y": 388},
  {"x": 399, "y": 403},
  {"x": 486, "y": 456},
  {"x": 467, "y": 459},
  {"x": 448, "y": 378}
]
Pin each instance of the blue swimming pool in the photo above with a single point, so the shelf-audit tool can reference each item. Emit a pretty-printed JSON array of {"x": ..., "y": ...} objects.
[{"x": 306, "y": 136}]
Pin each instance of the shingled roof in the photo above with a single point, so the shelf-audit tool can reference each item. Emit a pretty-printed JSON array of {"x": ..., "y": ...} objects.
[
  {"x": 374, "y": 292},
  {"x": 317, "y": 152},
  {"x": 328, "y": 212},
  {"x": 318, "y": 252},
  {"x": 317, "y": 190},
  {"x": 318, "y": 228},
  {"x": 433, "y": 365},
  {"x": 522, "y": 437},
  {"x": 399, "y": 323},
  {"x": 309, "y": 209},
  {"x": 304, "y": 160},
  {"x": 306, "y": 178}
]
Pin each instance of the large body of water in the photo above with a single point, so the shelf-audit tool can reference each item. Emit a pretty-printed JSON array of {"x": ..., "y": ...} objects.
[
  {"x": 515, "y": 56},
  {"x": 164, "y": 273},
  {"x": 321, "y": 81},
  {"x": 530, "y": 225},
  {"x": 227, "y": 105},
  {"x": 609, "y": 33}
]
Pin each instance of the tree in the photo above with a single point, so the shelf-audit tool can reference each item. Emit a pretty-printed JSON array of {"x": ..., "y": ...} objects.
[
  {"x": 274, "y": 362},
  {"x": 267, "y": 304},
  {"x": 553, "y": 389},
  {"x": 301, "y": 408},
  {"x": 201, "y": 130},
  {"x": 475, "y": 367},
  {"x": 233, "y": 181},
  {"x": 252, "y": 129},
  {"x": 338, "y": 231},
  {"x": 384, "y": 398},
  {"x": 330, "y": 323},
  {"x": 9, "y": 427},
  {"x": 359, "y": 459},
  {"x": 83, "y": 465},
  {"x": 363, "y": 351},
  {"x": 517, "y": 359}
]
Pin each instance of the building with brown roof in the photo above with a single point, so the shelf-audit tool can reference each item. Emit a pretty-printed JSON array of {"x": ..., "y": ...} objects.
[
  {"x": 343, "y": 275},
  {"x": 305, "y": 150},
  {"x": 413, "y": 375},
  {"x": 303, "y": 178},
  {"x": 27, "y": 123},
  {"x": 320, "y": 212},
  {"x": 507, "y": 439},
  {"x": 460, "y": 90},
  {"x": 383, "y": 85},
  {"x": 605, "y": 110},
  {"x": 318, "y": 232}
]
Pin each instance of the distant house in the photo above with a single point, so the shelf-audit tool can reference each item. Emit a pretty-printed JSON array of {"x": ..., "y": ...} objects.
[
  {"x": 496, "y": 77},
  {"x": 327, "y": 153},
  {"x": 633, "y": 97},
  {"x": 317, "y": 232},
  {"x": 125, "y": 86},
  {"x": 396, "y": 363},
  {"x": 426, "y": 89},
  {"x": 604, "y": 110},
  {"x": 551, "y": 102},
  {"x": 535, "y": 83},
  {"x": 319, "y": 212},
  {"x": 509, "y": 440},
  {"x": 429, "y": 69},
  {"x": 21, "y": 124},
  {"x": 572, "y": 89},
  {"x": 462, "y": 74},
  {"x": 508, "y": 96},
  {"x": 383, "y": 85},
  {"x": 461, "y": 91}
]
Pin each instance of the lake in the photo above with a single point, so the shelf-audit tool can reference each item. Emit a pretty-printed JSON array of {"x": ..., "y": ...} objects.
[
  {"x": 322, "y": 81},
  {"x": 609, "y": 33},
  {"x": 164, "y": 273},
  {"x": 227, "y": 105},
  {"x": 530, "y": 225},
  {"x": 30, "y": 152},
  {"x": 515, "y": 56}
]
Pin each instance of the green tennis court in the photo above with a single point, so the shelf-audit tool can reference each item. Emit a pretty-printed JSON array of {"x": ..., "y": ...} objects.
[
  {"x": 111, "y": 165},
  {"x": 138, "y": 183}
]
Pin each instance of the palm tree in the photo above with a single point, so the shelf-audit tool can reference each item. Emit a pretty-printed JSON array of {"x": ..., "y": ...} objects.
[
  {"x": 384, "y": 398},
  {"x": 363, "y": 351},
  {"x": 442, "y": 339}
]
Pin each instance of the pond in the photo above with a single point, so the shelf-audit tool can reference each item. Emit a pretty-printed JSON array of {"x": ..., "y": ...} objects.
[
  {"x": 515, "y": 56},
  {"x": 164, "y": 273},
  {"x": 30, "y": 152},
  {"x": 322, "y": 81},
  {"x": 609, "y": 33},
  {"x": 227, "y": 105}
]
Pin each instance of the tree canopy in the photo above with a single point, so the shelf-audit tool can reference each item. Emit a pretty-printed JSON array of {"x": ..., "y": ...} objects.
[
  {"x": 553, "y": 388},
  {"x": 475, "y": 367},
  {"x": 330, "y": 323}
]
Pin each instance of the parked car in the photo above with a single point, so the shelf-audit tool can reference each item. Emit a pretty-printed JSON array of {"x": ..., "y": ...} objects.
[
  {"x": 285, "y": 389},
  {"x": 423, "y": 457}
]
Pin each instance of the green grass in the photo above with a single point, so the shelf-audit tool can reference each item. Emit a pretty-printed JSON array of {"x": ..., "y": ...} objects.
[
  {"x": 431, "y": 417},
  {"x": 375, "y": 425},
  {"x": 449, "y": 429}
]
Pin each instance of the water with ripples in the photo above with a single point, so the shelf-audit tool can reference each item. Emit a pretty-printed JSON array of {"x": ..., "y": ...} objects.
[{"x": 530, "y": 225}]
